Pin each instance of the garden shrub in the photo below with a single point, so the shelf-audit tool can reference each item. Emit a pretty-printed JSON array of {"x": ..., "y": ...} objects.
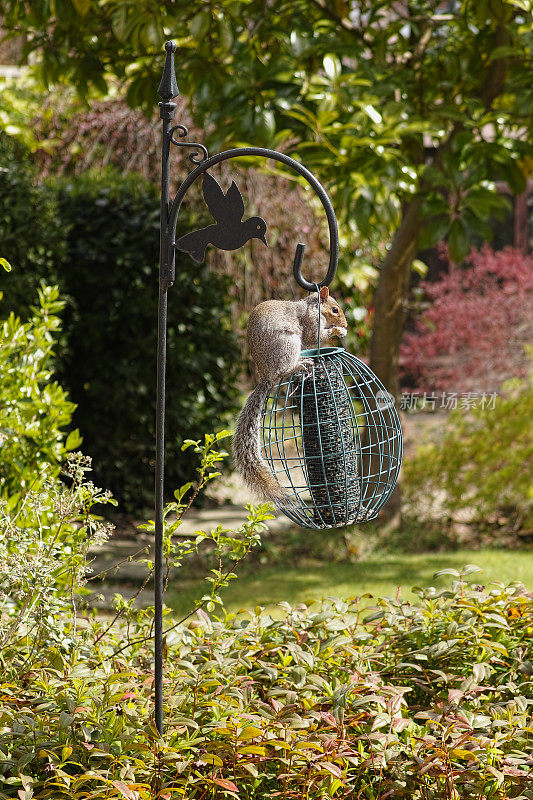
[
  {"x": 46, "y": 527},
  {"x": 471, "y": 337},
  {"x": 31, "y": 230},
  {"x": 482, "y": 462},
  {"x": 34, "y": 409},
  {"x": 45, "y": 537},
  {"x": 110, "y": 277},
  {"x": 430, "y": 701}
]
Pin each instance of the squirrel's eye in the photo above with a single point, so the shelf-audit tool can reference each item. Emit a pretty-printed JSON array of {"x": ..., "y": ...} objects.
[{"x": 335, "y": 310}]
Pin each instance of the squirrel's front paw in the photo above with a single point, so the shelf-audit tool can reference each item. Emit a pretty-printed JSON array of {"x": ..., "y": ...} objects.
[
  {"x": 336, "y": 331},
  {"x": 305, "y": 365}
]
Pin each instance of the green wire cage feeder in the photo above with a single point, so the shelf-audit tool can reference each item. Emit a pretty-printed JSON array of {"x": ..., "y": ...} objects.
[{"x": 333, "y": 439}]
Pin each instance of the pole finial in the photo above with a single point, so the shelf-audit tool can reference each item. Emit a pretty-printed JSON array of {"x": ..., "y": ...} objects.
[{"x": 168, "y": 88}]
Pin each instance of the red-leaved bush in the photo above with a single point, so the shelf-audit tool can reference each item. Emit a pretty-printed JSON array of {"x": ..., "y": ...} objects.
[{"x": 472, "y": 337}]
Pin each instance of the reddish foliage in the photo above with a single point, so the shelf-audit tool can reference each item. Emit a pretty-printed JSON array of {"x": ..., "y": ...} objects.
[{"x": 472, "y": 335}]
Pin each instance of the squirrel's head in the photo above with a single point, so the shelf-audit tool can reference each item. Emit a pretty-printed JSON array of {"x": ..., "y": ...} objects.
[{"x": 336, "y": 324}]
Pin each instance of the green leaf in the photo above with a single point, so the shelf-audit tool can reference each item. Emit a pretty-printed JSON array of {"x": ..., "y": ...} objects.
[
  {"x": 211, "y": 758},
  {"x": 190, "y": 443},
  {"x": 484, "y": 202},
  {"x": 73, "y": 441},
  {"x": 65, "y": 752},
  {"x": 252, "y": 749},
  {"x": 250, "y": 732},
  {"x": 447, "y": 571},
  {"x": 374, "y": 115},
  {"x": 82, "y": 6},
  {"x": 5, "y": 264},
  {"x": 458, "y": 240},
  {"x": 65, "y": 720},
  {"x": 179, "y": 493},
  {"x": 433, "y": 231},
  {"x": 225, "y": 35},
  {"x": 420, "y": 267},
  {"x": 514, "y": 177},
  {"x": 332, "y": 67},
  {"x": 470, "y": 568},
  {"x": 199, "y": 25},
  {"x": 506, "y": 51}
]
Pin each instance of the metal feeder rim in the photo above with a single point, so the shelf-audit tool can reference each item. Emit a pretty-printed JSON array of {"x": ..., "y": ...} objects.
[{"x": 323, "y": 351}]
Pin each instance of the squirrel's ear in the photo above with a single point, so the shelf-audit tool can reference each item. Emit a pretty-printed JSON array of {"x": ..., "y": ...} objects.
[{"x": 324, "y": 293}]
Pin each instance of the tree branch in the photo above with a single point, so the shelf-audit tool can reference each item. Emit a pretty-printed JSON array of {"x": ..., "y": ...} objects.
[
  {"x": 493, "y": 86},
  {"x": 346, "y": 26}
]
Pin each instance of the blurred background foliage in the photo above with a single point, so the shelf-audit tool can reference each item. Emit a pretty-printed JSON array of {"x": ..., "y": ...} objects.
[
  {"x": 408, "y": 112},
  {"x": 416, "y": 116},
  {"x": 108, "y": 362},
  {"x": 489, "y": 301},
  {"x": 478, "y": 469},
  {"x": 31, "y": 230}
]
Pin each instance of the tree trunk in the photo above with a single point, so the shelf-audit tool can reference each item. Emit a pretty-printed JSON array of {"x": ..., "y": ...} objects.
[
  {"x": 389, "y": 317},
  {"x": 390, "y": 298},
  {"x": 521, "y": 221}
]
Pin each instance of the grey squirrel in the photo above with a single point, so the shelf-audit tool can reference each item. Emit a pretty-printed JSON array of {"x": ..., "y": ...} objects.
[{"x": 277, "y": 332}]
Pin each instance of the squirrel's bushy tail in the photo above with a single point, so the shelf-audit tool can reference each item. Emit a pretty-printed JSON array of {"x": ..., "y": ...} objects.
[{"x": 247, "y": 446}]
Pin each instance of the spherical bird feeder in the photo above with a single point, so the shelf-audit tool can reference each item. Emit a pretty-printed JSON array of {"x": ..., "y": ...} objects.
[{"x": 332, "y": 437}]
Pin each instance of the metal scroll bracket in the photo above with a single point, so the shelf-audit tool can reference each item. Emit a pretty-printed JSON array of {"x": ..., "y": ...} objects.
[{"x": 240, "y": 152}]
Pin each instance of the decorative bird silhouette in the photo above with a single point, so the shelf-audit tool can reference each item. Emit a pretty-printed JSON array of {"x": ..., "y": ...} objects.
[{"x": 228, "y": 232}]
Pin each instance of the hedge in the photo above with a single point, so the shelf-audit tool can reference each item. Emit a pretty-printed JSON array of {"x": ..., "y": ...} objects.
[
  {"x": 97, "y": 236},
  {"x": 31, "y": 231},
  {"x": 109, "y": 365}
]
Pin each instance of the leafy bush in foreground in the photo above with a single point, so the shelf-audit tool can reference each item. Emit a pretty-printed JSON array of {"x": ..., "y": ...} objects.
[
  {"x": 426, "y": 702},
  {"x": 46, "y": 526},
  {"x": 44, "y": 544},
  {"x": 44, "y": 541}
]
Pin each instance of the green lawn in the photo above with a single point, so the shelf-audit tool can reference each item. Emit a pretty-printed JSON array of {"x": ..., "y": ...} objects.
[{"x": 379, "y": 575}]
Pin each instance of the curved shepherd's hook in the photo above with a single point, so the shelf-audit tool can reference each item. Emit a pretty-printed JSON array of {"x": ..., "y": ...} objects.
[{"x": 275, "y": 156}]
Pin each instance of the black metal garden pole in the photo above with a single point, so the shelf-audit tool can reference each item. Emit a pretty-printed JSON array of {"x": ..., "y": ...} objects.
[{"x": 168, "y": 89}]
